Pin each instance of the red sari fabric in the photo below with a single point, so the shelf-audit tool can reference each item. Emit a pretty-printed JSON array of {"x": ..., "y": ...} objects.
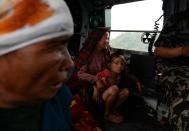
[{"x": 82, "y": 119}]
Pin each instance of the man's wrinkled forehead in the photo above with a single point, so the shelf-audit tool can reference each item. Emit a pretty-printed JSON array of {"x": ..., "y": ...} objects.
[{"x": 26, "y": 22}]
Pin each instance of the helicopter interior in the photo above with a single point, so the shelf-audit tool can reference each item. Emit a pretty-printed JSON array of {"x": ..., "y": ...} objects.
[{"x": 90, "y": 14}]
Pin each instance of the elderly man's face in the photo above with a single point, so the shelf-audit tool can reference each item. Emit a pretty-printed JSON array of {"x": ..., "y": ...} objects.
[{"x": 37, "y": 72}]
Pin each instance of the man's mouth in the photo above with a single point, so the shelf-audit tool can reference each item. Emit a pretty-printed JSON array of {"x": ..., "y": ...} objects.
[{"x": 57, "y": 86}]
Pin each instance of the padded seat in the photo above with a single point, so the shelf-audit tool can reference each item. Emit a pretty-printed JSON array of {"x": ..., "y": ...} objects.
[{"x": 143, "y": 67}]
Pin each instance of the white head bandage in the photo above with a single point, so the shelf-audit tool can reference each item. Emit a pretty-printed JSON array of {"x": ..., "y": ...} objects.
[{"x": 26, "y": 22}]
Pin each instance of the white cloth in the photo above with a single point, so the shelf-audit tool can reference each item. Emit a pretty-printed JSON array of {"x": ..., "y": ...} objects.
[{"x": 59, "y": 24}]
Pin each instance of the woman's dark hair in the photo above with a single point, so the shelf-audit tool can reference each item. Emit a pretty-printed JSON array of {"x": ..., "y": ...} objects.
[{"x": 95, "y": 35}]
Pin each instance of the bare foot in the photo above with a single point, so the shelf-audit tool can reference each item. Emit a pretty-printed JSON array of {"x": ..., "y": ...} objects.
[{"x": 114, "y": 118}]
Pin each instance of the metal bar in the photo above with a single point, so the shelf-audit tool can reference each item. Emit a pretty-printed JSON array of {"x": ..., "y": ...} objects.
[{"x": 150, "y": 31}]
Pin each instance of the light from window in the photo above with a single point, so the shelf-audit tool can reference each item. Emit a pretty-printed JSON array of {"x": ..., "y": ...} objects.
[{"x": 134, "y": 18}]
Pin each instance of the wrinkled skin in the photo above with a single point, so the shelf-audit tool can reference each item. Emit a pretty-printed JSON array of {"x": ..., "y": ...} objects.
[{"x": 34, "y": 73}]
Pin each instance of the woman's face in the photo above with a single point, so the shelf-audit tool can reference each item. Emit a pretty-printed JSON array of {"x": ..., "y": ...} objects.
[
  {"x": 104, "y": 41},
  {"x": 38, "y": 71}
]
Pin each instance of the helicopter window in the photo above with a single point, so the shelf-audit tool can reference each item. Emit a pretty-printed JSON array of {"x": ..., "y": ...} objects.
[{"x": 134, "y": 23}]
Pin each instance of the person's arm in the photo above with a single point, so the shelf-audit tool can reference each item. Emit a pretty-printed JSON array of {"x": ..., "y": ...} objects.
[
  {"x": 83, "y": 75},
  {"x": 98, "y": 87},
  {"x": 166, "y": 52},
  {"x": 136, "y": 81}
]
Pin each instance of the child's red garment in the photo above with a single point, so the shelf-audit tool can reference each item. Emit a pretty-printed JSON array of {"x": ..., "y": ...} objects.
[
  {"x": 106, "y": 78},
  {"x": 103, "y": 76}
]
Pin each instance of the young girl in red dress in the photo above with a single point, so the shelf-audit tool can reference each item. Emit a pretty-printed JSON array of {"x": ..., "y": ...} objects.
[{"x": 107, "y": 87}]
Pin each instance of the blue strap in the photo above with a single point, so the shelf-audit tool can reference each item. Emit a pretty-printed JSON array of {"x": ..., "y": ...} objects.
[{"x": 56, "y": 112}]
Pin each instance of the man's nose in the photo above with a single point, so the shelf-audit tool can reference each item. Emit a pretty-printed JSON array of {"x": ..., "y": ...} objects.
[{"x": 68, "y": 63}]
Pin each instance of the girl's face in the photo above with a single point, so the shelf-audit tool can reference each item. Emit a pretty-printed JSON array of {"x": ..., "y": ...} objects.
[
  {"x": 117, "y": 65},
  {"x": 104, "y": 41}
]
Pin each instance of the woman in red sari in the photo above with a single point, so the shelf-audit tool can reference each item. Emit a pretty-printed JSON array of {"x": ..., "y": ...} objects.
[{"x": 92, "y": 58}]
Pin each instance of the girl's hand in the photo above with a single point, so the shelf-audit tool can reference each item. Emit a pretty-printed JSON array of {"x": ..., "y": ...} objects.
[
  {"x": 99, "y": 85},
  {"x": 98, "y": 129}
]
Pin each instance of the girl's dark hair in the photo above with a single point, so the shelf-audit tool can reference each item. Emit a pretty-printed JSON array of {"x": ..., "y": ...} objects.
[{"x": 115, "y": 55}]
